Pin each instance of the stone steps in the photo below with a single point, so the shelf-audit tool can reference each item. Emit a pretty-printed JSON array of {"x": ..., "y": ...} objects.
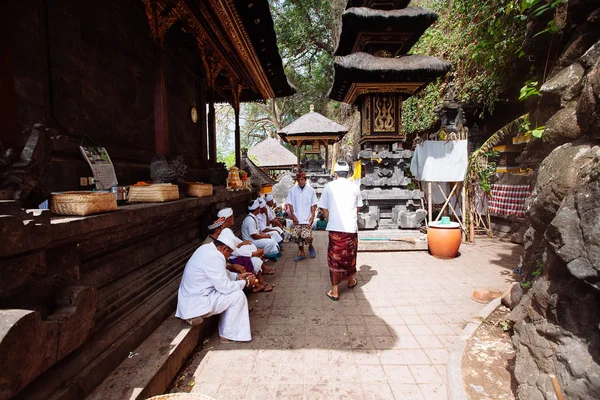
[
  {"x": 132, "y": 318},
  {"x": 155, "y": 362}
]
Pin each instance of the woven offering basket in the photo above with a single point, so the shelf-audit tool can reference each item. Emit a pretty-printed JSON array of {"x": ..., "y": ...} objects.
[
  {"x": 196, "y": 189},
  {"x": 158, "y": 192},
  {"x": 82, "y": 203},
  {"x": 181, "y": 396}
]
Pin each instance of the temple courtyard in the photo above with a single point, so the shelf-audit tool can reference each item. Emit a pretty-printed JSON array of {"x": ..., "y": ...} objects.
[{"x": 387, "y": 338}]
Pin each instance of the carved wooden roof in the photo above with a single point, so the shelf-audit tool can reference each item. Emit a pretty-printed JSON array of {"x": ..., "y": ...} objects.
[
  {"x": 379, "y": 4},
  {"x": 360, "y": 73},
  {"x": 236, "y": 40},
  {"x": 313, "y": 126},
  {"x": 372, "y": 31}
]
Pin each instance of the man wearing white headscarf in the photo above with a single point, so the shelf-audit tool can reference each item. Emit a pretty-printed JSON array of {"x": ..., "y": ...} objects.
[
  {"x": 271, "y": 213},
  {"x": 251, "y": 231},
  {"x": 245, "y": 248},
  {"x": 207, "y": 288},
  {"x": 341, "y": 201},
  {"x": 263, "y": 222}
]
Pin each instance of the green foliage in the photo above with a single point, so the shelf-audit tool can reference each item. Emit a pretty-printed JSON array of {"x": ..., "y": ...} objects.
[
  {"x": 539, "y": 271},
  {"x": 485, "y": 174},
  {"x": 417, "y": 111},
  {"x": 480, "y": 40},
  {"x": 530, "y": 89}
]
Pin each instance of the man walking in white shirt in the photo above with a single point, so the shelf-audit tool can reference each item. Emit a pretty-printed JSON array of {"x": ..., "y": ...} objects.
[
  {"x": 302, "y": 204},
  {"x": 341, "y": 200}
]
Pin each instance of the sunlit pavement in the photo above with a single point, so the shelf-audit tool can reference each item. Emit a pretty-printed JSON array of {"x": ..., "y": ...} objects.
[{"x": 387, "y": 338}]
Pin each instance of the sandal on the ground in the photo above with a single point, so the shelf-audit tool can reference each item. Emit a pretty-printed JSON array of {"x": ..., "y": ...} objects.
[
  {"x": 299, "y": 258},
  {"x": 312, "y": 253},
  {"x": 354, "y": 285},
  {"x": 267, "y": 271},
  {"x": 194, "y": 321},
  {"x": 267, "y": 288},
  {"x": 330, "y": 295}
]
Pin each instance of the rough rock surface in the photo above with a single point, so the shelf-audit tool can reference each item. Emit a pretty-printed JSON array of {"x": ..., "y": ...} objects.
[{"x": 557, "y": 322}]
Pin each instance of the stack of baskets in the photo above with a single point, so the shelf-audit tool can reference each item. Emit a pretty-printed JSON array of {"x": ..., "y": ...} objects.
[
  {"x": 196, "y": 189},
  {"x": 82, "y": 203},
  {"x": 158, "y": 192}
]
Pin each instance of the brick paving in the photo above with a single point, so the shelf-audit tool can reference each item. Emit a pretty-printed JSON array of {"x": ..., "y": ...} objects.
[{"x": 388, "y": 338}]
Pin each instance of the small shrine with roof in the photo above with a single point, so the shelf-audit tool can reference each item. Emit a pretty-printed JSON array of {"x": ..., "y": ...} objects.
[{"x": 374, "y": 71}]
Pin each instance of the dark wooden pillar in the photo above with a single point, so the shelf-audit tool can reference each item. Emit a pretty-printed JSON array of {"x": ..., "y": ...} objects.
[
  {"x": 298, "y": 145},
  {"x": 212, "y": 127},
  {"x": 161, "y": 122},
  {"x": 238, "y": 147},
  {"x": 202, "y": 120},
  {"x": 236, "y": 92},
  {"x": 9, "y": 134}
]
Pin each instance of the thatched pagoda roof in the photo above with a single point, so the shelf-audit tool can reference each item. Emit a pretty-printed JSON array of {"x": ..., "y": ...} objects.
[
  {"x": 270, "y": 153},
  {"x": 379, "y": 4},
  {"x": 395, "y": 31},
  {"x": 313, "y": 125},
  {"x": 361, "y": 73},
  {"x": 256, "y": 175}
]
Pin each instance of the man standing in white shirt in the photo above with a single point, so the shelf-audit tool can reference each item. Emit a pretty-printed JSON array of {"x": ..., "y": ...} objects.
[
  {"x": 341, "y": 200},
  {"x": 251, "y": 231},
  {"x": 207, "y": 288},
  {"x": 302, "y": 204}
]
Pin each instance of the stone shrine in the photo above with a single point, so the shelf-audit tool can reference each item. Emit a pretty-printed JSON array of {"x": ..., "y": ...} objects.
[{"x": 373, "y": 71}]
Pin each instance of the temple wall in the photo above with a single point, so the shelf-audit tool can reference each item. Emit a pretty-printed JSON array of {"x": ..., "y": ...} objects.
[{"x": 88, "y": 68}]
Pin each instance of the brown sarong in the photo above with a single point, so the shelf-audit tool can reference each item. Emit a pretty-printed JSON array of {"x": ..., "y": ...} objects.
[{"x": 341, "y": 255}]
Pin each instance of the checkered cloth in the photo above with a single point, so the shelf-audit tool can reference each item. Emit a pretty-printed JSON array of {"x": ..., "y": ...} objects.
[{"x": 509, "y": 199}]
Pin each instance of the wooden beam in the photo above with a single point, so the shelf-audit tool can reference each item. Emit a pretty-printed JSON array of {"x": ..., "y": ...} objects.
[
  {"x": 9, "y": 130},
  {"x": 161, "y": 122},
  {"x": 212, "y": 127},
  {"x": 202, "y": 120}
]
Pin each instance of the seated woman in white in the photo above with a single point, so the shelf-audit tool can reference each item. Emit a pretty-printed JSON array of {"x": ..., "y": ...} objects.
[{"x": 207, "y": 288}]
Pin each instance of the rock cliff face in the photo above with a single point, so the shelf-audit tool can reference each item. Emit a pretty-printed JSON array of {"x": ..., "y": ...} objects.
[{"x": 557, "y": 322}]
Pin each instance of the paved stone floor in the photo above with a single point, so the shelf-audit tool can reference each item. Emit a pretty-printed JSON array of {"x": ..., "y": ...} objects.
[{"x": 388, "y": 338}]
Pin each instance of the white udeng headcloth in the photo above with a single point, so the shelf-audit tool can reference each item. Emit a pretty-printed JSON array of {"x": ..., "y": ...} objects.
[
  {"x": 253, "y": 206},
  {"x": 227, "y": 238},
  {"x": 262, "y": 202},
  {"x": 268, "y": 197},
  {"x": 225, "y": 213}
]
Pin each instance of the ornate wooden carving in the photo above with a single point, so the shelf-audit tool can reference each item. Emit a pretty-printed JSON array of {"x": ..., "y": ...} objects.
[
  {"x": 384, "y": 113},
  {"x": 358, "y": 89},
  {"x": 160, "y": 18}
]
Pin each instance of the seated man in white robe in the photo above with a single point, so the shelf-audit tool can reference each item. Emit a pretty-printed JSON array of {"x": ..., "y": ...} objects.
[
  {"x": 251, "y": 231},
  {"x": 263, "y": 223},
  {"x": 245, "y": 248},
  {"x": 271, "y": 214},
  {"x": 207, "y": 288}
]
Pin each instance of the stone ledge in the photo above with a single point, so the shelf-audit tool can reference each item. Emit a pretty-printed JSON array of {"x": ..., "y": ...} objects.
[
  {"x": 155, "y": 362},
  {"x": 456, "y": 386}
]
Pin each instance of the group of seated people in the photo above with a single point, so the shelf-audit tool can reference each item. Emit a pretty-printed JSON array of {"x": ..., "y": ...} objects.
[{"x": 219, "y": 271}]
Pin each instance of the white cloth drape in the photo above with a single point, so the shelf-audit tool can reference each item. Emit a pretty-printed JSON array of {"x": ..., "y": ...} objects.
[{"x": 439, "y": 161}]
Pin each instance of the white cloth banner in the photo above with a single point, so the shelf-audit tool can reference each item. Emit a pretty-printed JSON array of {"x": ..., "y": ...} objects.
[{"x": 439, "y": 161}]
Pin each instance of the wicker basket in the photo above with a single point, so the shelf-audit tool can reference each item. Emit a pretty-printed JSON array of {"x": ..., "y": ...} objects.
[
  {"x": 197, "y": 189},
  {"x": 153, "y": 193},
  {"x": 181, "y": 396},
  {"x": 82, "y": 203}
]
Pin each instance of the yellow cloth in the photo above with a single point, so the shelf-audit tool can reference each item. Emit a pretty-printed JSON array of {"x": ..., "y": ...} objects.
[{"x": 357, "y": 170}]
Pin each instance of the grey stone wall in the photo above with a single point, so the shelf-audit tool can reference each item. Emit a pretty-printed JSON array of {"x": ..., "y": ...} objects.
[{"x": 557, "y": 322}]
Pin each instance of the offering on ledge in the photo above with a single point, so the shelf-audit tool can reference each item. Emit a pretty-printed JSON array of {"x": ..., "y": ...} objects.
[
  {"x": 82, "y": 203},
  {"x": 158, "y": 192},
  {"x": 197, "y": 189}
]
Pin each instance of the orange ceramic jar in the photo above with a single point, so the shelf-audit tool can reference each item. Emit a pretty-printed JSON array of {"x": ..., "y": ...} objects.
[{"x": 443, "y": 239}]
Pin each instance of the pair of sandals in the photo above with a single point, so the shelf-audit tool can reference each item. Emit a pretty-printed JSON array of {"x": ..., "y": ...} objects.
[
  {"x": 311, "y": 252},
  {"x": 267, "y": 288},
  {"x": 350, "y": 286}
]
